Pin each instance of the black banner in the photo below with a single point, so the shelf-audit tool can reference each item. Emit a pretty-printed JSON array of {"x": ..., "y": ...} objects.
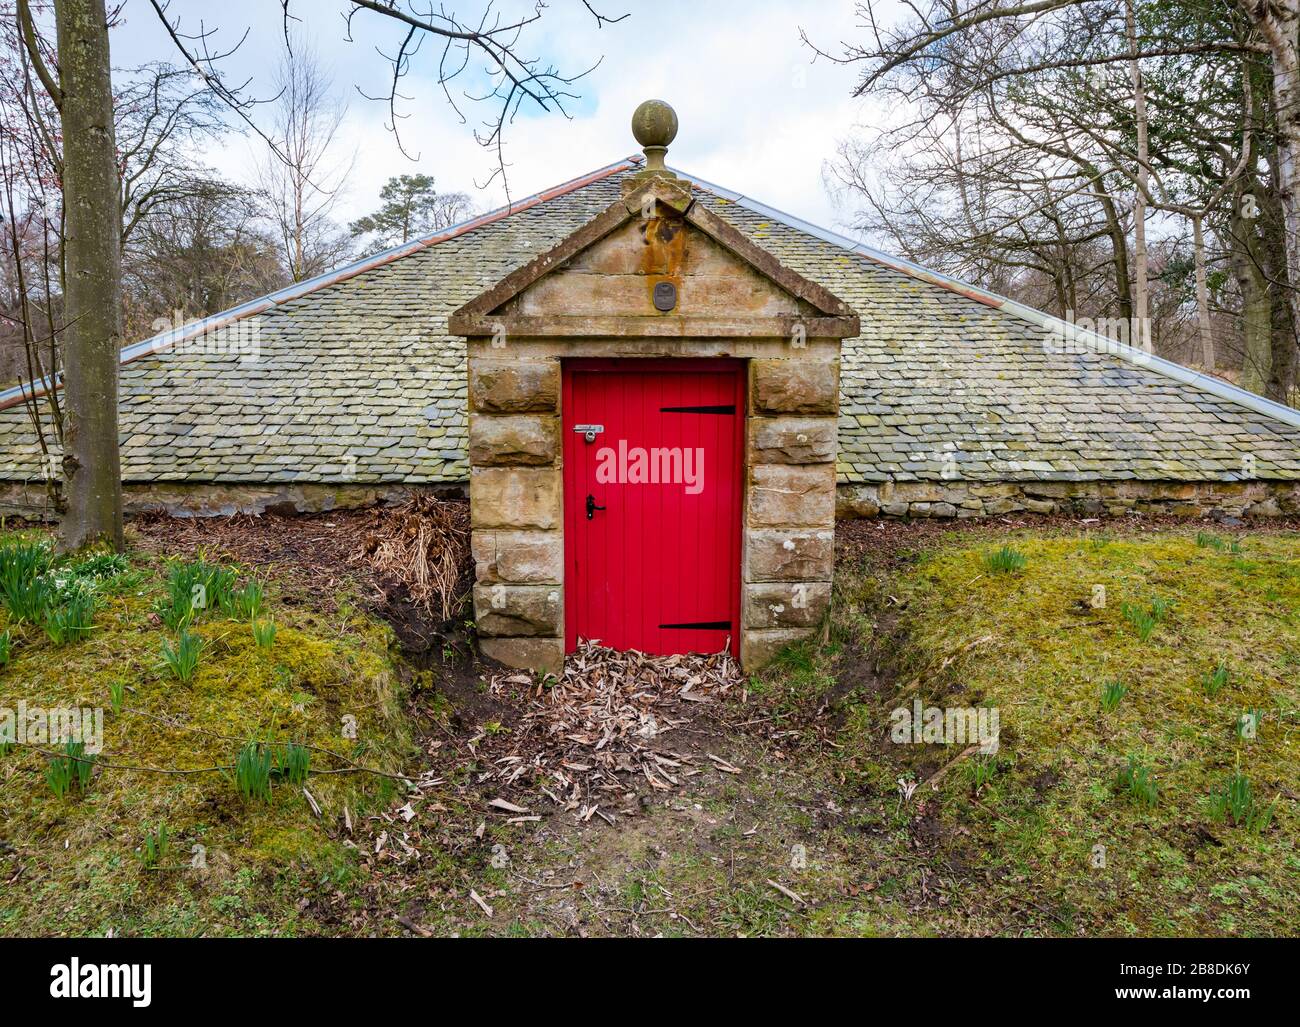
[{"x": 142, "y": 978}]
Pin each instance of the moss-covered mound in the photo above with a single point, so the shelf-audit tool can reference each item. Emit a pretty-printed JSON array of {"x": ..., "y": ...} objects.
[
  {"x": 161, "y": 839},
  {"x": 1148, "y": 697}
]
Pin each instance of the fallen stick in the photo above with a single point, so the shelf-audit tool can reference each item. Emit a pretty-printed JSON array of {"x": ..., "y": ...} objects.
[
  {"x": 413, "y": 927},
  {"x": 786, "y": 892},
  {"x": 933, "y": 778},
  {"x": 481, "y": 904}
]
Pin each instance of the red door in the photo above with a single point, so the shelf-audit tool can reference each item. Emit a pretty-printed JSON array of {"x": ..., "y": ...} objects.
[{"x": 653, "y": 503}]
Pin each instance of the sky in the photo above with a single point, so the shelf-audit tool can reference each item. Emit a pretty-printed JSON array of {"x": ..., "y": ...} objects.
[{"x": 757, "y": 113}]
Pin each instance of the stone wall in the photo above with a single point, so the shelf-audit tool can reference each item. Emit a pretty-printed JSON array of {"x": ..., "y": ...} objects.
[
  {"x": 29, "y": 501},
  {"x": 894, "y": 500},
  {"x": 1080, "y": 498},
  {"x": 517, "y": 508},
  {"x": 789, "y": 530},
  {"x": 517, "y": 502}
]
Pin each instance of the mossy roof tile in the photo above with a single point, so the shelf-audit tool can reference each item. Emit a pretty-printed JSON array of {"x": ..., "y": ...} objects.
[{"x": 357, "y": 366}]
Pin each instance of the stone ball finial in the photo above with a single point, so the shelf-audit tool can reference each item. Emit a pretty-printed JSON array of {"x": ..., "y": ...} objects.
[{"x": 654, "y": 123}]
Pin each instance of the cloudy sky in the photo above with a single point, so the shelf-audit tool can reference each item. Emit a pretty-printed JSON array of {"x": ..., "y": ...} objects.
[{"x": 757, "y": 114}]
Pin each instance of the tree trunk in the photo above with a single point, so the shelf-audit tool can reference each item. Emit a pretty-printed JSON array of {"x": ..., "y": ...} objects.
[
  {"x": 1256, "y": 304},
  {"x": 1202, "y": 295},
  {"x": 1141, "y": 290},
  {"x": 1256, "y": 341},
  {"x": 1119, "y": 251},
  {"x": 1282, "y": 369},
  {"x": 1282, "y": 362},
  {"x": 93, "y": 338},
  {"x": 299, "y": 243},
  {"x": 1278, "y": 22}
]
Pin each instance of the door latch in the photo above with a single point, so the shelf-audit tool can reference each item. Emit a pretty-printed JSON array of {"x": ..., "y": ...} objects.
[
  {"x": 589, "y": 431},
  {"x": 592, "y": 507}
]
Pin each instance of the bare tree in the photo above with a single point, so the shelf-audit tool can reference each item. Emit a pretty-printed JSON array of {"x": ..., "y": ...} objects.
[
  {"x": 482, "y": 45},
  {"x": 81, "y": 90},
  {"x": 1142, "y": 173},
  {"x": 75, "y": 77},
  {"x": 29, "y": 306},
  {"x": 1074, "y": 119},
  {"x": 301, "y": 179},
  {"x": 203, "y": 251},
  {"x": 161, "y": 116}
]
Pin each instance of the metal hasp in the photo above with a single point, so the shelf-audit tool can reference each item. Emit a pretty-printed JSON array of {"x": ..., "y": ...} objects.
[{"x": 589, "y": 431}]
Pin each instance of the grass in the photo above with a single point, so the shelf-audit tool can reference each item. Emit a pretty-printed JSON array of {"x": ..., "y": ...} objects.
[
  {"x": 1146, "y": 618},
  {"x": 1236, "y": 802},
  {"x": 72, "y": 621},
  {"x": 246, "y": 603},
  {"x": 182, "y": 659},
  {"x": 1145, "y": 773},
  {"x": 264, "y": 633},
  {"x": 72, "y": 766},
  {"x": 1125, "y": 798},
  {"x": 156, "y": 847},
  {"x": 1216, "y": 680},
  {"x": 24, "y": 591},
  {"x": 1137, "y": 782},
  {"x": 1112, "y": 694},
  {"x": 75, "y": 827},
  {"x": 1005, "y": 561},
  {"x": 196, "y": 588}
]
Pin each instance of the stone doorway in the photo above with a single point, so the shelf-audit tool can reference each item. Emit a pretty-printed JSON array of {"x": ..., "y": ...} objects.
[{"x": 656, "y": 276}]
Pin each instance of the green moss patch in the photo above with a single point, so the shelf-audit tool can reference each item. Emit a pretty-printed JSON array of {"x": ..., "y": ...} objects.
[
  {"x": 1134, "y": 678},
  {"x": 231, "y": 865}
]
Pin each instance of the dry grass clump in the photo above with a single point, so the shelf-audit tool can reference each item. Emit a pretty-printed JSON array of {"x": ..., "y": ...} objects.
[{"x": 424, "y": 543}]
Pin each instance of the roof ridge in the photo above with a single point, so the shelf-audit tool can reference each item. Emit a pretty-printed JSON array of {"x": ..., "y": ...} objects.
[
  {"x": 1058, "y": 326},
  {"x": 166, "y": 340}
]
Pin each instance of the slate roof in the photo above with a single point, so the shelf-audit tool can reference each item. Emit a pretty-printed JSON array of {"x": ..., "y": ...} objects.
[{"x": 357, "y": 381}]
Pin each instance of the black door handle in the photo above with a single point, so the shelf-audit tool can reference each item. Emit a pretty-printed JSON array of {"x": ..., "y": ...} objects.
[{"x": 592, "y": 507}]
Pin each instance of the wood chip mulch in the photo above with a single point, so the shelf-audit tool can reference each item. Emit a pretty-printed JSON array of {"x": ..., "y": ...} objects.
[
  {"x": 588, "y": 743},
  {"x": 613, "y": 720}
]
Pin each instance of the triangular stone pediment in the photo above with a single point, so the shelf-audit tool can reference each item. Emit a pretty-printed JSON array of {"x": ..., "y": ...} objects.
[
  {"x": 618, "y": 275},
  {"x": 656, "y": 263}
]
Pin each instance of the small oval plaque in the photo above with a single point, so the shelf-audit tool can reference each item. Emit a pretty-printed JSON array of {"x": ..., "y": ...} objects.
[{"x": 665, "y": 296}]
